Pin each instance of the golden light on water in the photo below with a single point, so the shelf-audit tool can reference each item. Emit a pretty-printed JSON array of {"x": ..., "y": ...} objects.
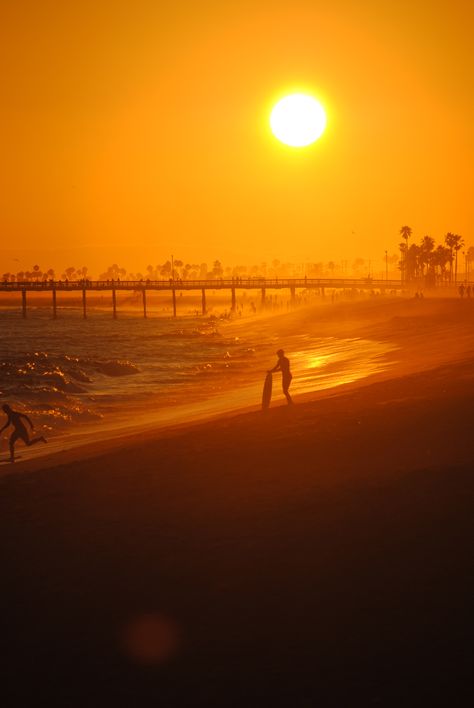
[
  {"x": 337, "y": 362},
  {"x": 298, "y": 120},
  {"x": 314, "y": 362}
]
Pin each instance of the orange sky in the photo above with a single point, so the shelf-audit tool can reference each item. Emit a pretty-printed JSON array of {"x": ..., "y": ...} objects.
[{"x": 133, "y": 130}]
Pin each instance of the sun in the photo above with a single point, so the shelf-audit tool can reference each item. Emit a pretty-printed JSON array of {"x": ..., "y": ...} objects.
[{"x": 298, "y": 120}]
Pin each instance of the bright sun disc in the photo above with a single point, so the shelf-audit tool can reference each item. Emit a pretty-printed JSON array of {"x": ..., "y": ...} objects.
[{"x": 298, "y": 120}]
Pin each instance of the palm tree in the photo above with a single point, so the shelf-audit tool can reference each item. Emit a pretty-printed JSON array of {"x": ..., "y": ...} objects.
[
  {"x": 405, "y": 232},
  {"x": 177, "y": 265},
  {"x": 217, "y": 269},
  {"x": 165, "y": 269},
  {"x": 440, "y": 258},
  {"x": 426, "y": 249},
  {"x": 457, "y": 247},
  {"x": 194, "y": 273},
  {"x": 413, "y": 261},
  {"x": 450, "y": 241},
  {"x": 403, "y": 260},
  {"x": 454, "y": 242}
]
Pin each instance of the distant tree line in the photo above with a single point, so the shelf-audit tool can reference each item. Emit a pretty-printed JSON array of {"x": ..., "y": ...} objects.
[
  {"x": 180, "y": 270},
  {"x": 36, "y": 274},
  {"x": 424, "y": 260},
  {"x": 430, "y": 262}
]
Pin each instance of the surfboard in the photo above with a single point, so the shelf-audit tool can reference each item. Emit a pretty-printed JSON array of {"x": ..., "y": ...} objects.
[{"x": 267, "y": 392}]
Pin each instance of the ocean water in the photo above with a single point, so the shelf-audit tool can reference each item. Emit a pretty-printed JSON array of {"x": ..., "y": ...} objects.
[{"x": 68, "y": 372}]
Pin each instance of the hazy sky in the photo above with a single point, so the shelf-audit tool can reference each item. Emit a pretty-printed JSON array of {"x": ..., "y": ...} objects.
[{"x": 133, "y": 130}]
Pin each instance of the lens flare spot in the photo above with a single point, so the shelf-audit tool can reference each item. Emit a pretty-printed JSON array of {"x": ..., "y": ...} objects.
[{"x": 150, "y": 639}]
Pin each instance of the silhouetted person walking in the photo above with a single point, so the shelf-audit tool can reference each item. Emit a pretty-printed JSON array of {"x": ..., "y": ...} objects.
[
  {"x": 19, "y": 431},
  {"x": 283, "y": 365}
]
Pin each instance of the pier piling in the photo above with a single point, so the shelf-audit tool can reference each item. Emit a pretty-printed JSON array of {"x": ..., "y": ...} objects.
[
  {"x": 313, "y": 285},
  {"x": 293, "y": 295},
  {"x": 174, "y": 302}
]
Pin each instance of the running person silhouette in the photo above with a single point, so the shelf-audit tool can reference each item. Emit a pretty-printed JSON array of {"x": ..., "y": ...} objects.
[
  {"x": 283, "y": 365},
  {"x": 19, "y": 431}
]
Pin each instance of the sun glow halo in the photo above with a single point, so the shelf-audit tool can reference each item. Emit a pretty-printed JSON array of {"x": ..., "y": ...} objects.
[{"x": 298, "y": 120}]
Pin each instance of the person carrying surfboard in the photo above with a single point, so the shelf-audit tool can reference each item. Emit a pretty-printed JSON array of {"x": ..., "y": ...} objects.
[
  {"x": 283, "y": 365},
  {"x": 19, "y": 431}
]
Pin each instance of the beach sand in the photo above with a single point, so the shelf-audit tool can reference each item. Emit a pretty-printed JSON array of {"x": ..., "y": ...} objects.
[{"x": 314, "y": 555}]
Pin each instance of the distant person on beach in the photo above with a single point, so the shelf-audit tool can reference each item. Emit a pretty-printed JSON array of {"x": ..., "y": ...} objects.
[
  {"x": 19, "y": 431},
  {"x": 283, "y": 365},
  {"x": 461, "y": 290}
]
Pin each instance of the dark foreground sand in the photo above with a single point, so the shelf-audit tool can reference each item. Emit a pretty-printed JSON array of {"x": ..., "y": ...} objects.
[{"x": 319, "y": 555}]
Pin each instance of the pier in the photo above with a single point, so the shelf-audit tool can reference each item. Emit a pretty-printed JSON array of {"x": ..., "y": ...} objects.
[{"x": 83, "y": 287}]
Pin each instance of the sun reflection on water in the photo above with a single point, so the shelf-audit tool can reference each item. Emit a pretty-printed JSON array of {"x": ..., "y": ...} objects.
[
  {"x": 315, "y": 362},
  {"x": 340, "y": 362}
]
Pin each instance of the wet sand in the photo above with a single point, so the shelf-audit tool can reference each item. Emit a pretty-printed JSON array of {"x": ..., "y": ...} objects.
[{"x": 312, "y": 555}]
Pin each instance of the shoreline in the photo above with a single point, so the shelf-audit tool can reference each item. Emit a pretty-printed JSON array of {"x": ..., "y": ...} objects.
[
  {"x": 369, "y": 319},
  {"x": 234, "y": 397}
]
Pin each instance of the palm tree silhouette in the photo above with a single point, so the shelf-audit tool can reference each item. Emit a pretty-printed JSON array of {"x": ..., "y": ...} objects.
[
  {"x": 459, "y": 244},
  {"x": 441, "y": 256},
  {"x": 177, "y": 265},
  {"x": 405, "y": 232},
  {"x": 454, "y": 242},
  {"x": 413, "y": 261},
  {"x": 425, "y": 253}
]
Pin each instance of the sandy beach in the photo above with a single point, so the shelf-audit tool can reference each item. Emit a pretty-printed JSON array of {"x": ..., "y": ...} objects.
[{"x": 311, "y": 555}]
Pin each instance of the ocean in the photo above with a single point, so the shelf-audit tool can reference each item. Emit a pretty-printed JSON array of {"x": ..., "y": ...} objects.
[{"x": 70, "y": 373}]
